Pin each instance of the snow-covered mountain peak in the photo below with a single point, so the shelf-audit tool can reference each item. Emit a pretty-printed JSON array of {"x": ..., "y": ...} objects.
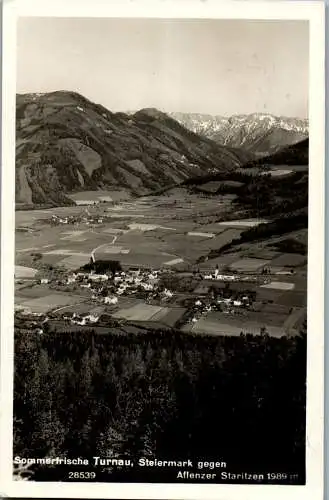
[{"x": 257, "y": 132}]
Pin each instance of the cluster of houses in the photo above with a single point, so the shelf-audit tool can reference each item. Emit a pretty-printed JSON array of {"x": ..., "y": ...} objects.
[
  {"x": 224, "y": 304},
  {"x": 108, "y": 287},
  {"x": 77, "y": 219},
  {"x": 82, "y": 319},
  {"x": 216, "y": 275}
]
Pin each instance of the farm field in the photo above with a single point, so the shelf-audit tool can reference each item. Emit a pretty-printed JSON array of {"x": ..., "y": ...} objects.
[
  {"x": 49, "y": 302},
  {"x": 279, "y": 285},
  {"x": 249, "y": 264},
  {"x": 293, "y": 299},
  {"x": 276, "y": 319},
  {"x": 243, "y": 223},
  {"x": 294, "y": 168},
  {"x": 24, "y": 272},
  {"x": 168, "y": 231},
  {"x": 78, "y": 308},
  {"x": 277, "y": 173},
  {"x": 205, "y": 326},
  {"x": 99, "y": 196},
  {"x": 148, "y": 314},
  {"x": 289, "y": 260},
  {"x": 140, "y": 312},
  {"x": 33, "y": 292},
  {"x": 164, "y": 237}
]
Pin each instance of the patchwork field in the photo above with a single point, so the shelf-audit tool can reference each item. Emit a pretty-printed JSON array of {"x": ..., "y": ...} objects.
[
  {"x": 276, "y": 173},
  {"x": 174, "y": 262},
  {"x": 146, "y": 313},
  {"x": 289, "y": 260},
  {"x": 85, "y": 197},
  {"x": 139, "y": 312},
  {"x": 248, "y": 264},
  {"x": 243, "y": 223},
  {"x": 214, "y": 327},
  {"x": 74, "y": 262},
  {"x": 201, "y": 235},
  {"x": 48, "y": 302},
  {"x": 24, "y": 272},
  {"x": 171, "y": 231},
  {"x": 279, "y": 285},
  {"x": 277, "y": 320}
]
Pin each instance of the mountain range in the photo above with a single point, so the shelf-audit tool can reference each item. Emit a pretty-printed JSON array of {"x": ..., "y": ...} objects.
[
  {"x": 259, "y": 133},
  {"x": 66, "y": 143}
]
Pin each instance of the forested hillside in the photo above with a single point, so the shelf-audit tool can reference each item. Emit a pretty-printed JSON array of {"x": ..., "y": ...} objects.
[{"x": 166, "y": 396}]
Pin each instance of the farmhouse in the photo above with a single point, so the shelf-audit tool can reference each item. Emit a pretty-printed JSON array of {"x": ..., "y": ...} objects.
[
  {"x": 111, "y": 300},
  {"x": 98, "y": 277}
]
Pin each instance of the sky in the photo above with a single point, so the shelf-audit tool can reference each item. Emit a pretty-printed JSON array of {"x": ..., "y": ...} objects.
[{"x": 218, "y": 67}]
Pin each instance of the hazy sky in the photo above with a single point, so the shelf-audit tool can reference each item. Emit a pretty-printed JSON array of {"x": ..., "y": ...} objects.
[{"x": 207, "y": 66}]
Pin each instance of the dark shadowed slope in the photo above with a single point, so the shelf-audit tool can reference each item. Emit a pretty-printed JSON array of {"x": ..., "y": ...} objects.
[
  {"x": 296, "y": 154},
  {"x": 66, "y": 143}
]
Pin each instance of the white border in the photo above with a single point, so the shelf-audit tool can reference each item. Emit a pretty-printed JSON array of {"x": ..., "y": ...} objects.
[{"x": 300, "y": 10}]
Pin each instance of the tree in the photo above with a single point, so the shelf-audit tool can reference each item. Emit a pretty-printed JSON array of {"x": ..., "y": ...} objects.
[{"x": 263, "y": 331}]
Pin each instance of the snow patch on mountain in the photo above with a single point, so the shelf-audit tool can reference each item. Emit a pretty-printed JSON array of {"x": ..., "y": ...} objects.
[{"x": 258, "y": 132}]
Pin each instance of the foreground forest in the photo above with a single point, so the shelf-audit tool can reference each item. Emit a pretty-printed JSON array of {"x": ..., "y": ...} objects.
[{"x": 169, "y": 396}]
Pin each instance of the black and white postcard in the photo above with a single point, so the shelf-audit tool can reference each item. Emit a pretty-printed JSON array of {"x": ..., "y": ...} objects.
[{"x": 162, "y": 249}]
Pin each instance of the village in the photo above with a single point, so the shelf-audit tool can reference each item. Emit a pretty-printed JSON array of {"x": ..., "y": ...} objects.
[
  {"x": 136, "y": 295},
  {"x": 147, "y": 263}
]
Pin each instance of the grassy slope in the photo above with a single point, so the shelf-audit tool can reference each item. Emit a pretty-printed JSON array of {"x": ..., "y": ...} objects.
[{"x": 66, "y": 143}]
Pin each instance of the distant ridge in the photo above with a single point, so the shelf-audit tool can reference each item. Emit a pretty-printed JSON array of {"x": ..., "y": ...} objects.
[
  {"x": 258, "y": 133},
  {"x": 295, "y": 154}
]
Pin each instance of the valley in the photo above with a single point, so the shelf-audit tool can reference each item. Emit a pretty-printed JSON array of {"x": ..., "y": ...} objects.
[
  {"x": 160, "y": 327},
  {"x": 176, "y": 238},
  {"x": 134, "y": 212}
]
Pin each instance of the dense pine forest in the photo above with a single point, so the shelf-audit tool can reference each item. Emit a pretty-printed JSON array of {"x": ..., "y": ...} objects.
[{"x": 165, "y": 395}]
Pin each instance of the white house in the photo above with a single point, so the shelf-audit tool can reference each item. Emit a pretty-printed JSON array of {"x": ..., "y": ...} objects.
[
  {"x": 129, "y": 280},
  {"x": 111, "y": 300},
  {"x": 98, "y": 277},
  {"x": 147, "y": 286},
  {"x": 92, "y": 318},
  {"x": 78, "y": 321},
  {"x": 44, "y": 281}
]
